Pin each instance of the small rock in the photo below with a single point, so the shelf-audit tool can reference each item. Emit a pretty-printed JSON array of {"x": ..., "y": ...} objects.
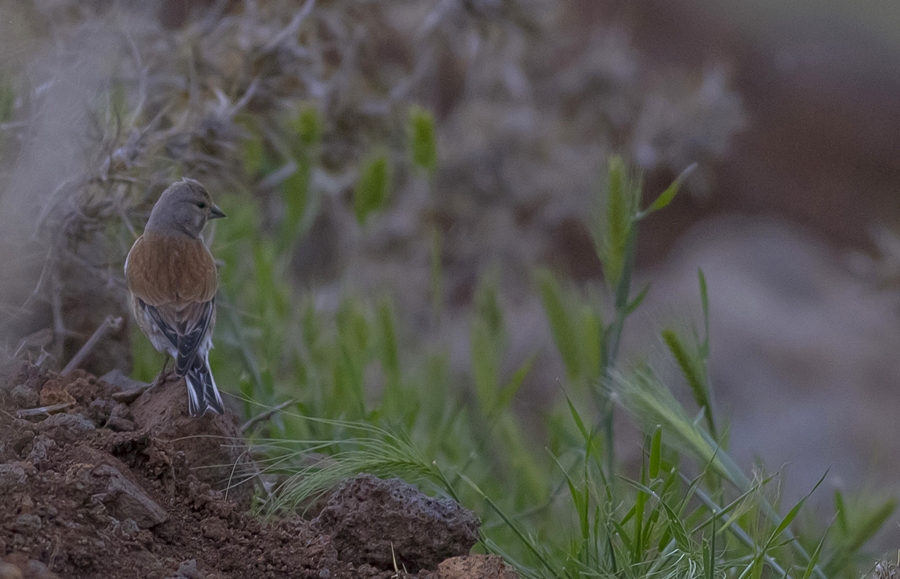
[
  {"x": 120, "y": 419},
  {"x": 100, "y": 410},
  {"x": 11, "y": 475},
  {"x": 129, "y": 390},
  {"x": 25, "y": 397},
  {"x": 54, "y": 392},
  {"x": 65, "y": 427},
  {"x": 126, "y": 500},
  {"x": 41, "y": 445},
  {"x": 120, "y": 424}
]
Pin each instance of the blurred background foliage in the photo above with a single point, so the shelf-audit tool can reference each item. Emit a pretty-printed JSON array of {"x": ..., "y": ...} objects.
[{"x": 414, "y": 191}]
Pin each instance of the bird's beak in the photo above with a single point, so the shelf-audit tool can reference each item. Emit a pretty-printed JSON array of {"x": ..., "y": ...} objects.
[{"x": 215, "y": 212}]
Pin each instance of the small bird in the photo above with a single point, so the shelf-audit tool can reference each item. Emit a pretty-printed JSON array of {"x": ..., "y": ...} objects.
[{"x": 172, "y": 278}]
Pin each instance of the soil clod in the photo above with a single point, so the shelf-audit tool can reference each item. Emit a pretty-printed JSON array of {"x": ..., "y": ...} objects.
[{"x": 389, "y": 522}]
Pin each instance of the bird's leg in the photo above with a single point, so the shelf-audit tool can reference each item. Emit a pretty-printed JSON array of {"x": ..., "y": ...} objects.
[{"x": 163, "y": 376}]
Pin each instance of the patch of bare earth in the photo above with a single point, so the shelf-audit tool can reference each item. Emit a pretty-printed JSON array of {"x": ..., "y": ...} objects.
[{"x": 101, "y": 486}]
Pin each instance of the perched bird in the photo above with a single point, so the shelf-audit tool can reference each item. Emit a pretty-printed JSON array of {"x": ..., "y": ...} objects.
[{"x": 172, "y": 278}]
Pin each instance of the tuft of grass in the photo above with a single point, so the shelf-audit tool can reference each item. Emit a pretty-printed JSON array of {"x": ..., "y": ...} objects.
[{"x": 368, "y": 399}]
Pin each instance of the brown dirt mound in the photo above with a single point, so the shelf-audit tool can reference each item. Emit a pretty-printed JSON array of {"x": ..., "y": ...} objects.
[{"x": 107, "y": 489}]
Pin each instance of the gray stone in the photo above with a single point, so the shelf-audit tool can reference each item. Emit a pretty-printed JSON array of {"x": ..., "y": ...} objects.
[
  {"x": 25, "y": 397},
  {"x": 126, "y": 500}
]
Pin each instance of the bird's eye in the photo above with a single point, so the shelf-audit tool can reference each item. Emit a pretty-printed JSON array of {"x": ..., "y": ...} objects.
[{"x": 201, "y": 205}]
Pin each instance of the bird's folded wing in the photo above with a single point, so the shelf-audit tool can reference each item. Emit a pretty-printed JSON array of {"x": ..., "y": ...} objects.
[{"x": 164, "y": 326}]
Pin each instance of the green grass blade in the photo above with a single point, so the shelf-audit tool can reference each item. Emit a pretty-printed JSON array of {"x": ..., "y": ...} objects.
[
  {"x": 372, "y": 187},
  {"x": 668, "y": 195},
  {"x": 561, "y": 324},
  {"x": 655, "y": 452},
  {"x": 522, "y": 536},
  {"x": 423, "y": 139}
]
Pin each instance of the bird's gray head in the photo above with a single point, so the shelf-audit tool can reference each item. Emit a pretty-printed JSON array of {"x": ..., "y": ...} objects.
[{"x": 183, "y": 209}]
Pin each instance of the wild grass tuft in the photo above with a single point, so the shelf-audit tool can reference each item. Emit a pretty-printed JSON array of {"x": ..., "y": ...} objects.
[{"x": 558, "y": 504}]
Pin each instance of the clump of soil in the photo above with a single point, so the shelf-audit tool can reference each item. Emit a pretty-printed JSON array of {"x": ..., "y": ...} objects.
[
  {"x": 378, "y": 522},
  {"x": 110, "y": 488}
]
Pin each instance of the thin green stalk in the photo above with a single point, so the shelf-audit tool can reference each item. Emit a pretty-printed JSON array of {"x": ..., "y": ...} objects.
[
  {"x": 529, "y": 544},
  {"x": 609, "y": 355}
]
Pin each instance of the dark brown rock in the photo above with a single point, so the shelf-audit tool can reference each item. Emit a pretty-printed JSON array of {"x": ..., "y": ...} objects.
[
  {"x": 388, "y": 522},
  {"x": 126, "y": 500}
]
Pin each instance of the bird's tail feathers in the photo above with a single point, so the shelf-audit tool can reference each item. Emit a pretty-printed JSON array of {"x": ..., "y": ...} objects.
[{"x": 202, "y": 392}]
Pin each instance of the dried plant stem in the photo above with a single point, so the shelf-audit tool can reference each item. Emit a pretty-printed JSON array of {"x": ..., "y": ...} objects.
[
  {"x": 43, "y": 410},
  {"x": 265, "y": 415},
  {"x": 110, "y": 323}
]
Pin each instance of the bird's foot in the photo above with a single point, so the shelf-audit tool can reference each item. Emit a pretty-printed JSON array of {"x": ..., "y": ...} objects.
[{"x": 165, "y": 376}]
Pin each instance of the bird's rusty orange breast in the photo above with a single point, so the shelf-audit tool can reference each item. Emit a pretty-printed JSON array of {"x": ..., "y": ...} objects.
[{"x": 162, "y": 270}]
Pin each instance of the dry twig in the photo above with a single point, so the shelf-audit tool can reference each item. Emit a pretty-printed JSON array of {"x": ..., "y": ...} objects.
[
  {"x": 265, "y": 415},
  {"x": 109, "y": 324}
]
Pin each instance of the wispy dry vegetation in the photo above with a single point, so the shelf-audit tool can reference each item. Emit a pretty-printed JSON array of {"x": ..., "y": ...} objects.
[{"x": 285, "y": 103}]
